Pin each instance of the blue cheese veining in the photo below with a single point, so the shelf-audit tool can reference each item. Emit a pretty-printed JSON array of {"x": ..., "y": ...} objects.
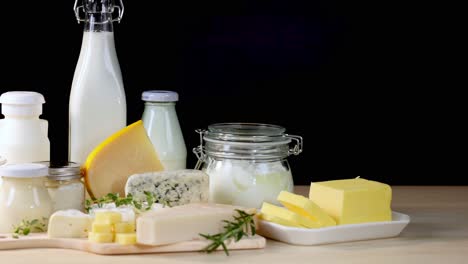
[{"x": 173, "y": 187}]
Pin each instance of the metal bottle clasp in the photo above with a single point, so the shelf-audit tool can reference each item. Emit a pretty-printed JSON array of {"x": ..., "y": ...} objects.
[{"x": 80, "y": 6}]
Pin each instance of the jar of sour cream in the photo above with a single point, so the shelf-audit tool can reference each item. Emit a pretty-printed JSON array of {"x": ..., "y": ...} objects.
[
  {"x": 247, "y": 163},
  {"x": 23, "y": 195}
]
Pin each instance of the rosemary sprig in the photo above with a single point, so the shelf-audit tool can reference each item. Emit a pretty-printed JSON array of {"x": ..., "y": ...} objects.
[
  {"x": 28, "y": 226},
  {"x": 139, "y": 205},
  {"x": 243, "y": 225}
]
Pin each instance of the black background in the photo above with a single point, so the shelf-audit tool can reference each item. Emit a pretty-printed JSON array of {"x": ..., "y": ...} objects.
[{"x": 339, "y": 74}]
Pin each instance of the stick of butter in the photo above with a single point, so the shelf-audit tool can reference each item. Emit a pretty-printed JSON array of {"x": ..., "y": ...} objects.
[
  {"x": 353, "y": 201},
  {"x": 273, "y": 212}
]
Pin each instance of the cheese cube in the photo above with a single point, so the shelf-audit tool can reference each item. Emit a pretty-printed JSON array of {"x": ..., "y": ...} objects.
[
  {"x": 288, "y": 216},
  {"x": 69, "y": 224},
  {"x": 124, "y": 228},
  {"x": 127, "y": 212},
  {"x": 183, "y": 223},
  {"x": 102, "y": 228},
  {"x": 101, "y": 237},
  {"x": 353, "y": 201},
  {"x": 305, "y": 207},
  {"x": 126, "y": 239},
  {"x": 107, "y": 217}
]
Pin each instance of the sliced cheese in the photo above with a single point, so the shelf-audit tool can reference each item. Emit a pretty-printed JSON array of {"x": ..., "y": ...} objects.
[
  {"x": 69, "y": 224},
  {"x": 353, "y": 201},
  {"x": 109, "y": 165},
  {"x": 173, "y": 187},
  {"x": 183, "y": 223},
  {"x": 284, "y": 215},
  {"x": 305, "y": 207}
]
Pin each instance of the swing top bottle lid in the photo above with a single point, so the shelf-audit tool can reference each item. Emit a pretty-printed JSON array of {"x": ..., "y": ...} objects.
[{"x": 98, "y": 6}]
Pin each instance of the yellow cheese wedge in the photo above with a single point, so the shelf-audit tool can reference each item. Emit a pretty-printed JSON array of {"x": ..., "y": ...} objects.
[
  {"x": 101, "y": 237},
  {"x": 101, "y": 228},
  {"x": 126, "y": 239},
  {"x": 305, "y": 207},
  {"x": 107, "y": 217},
  {"x": 124, "y": 228},
  {"x": 353, "y": 201},
  {"x": 287, "y": 216},
  {"x": 125, "y": 153}
]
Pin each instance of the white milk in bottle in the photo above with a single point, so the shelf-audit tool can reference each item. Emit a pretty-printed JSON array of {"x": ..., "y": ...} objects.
[
  {"x": 97, "y": 99},
  {"x": 23, "y": 136}
]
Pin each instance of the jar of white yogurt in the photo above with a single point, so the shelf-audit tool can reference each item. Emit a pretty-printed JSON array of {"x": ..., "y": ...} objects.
[
  {"x": 247, "y": 163},
  {"x": 65, "y": 187},
  {"x": 23, "y": 195}
]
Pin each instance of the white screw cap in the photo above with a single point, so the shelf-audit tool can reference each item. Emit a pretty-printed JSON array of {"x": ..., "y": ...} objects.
[
  {"x": 25, "y": 170},
  {"x": 160, "y": 96}
]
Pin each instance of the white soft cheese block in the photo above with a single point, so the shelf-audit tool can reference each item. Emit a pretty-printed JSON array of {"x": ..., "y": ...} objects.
[
  {"x": 69, "y": 224},
  {"x": 183, "y": 223},
  {"x": 173, "y": 187}
]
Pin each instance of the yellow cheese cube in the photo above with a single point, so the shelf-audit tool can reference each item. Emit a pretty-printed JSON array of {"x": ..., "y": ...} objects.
[
  {"x": 101, "y": 237},
  {"x": 125, "y": 239},
  {"x": 305, "y": 207},
  {"x": 353, "y": 201},
  {"x": 107, "y": 217},
  {"x": 274, "y": 219},
  {"x": 124, "y": 228},
  {"x": 101, "y": 228},
  {"x": 287, "y": 216}
]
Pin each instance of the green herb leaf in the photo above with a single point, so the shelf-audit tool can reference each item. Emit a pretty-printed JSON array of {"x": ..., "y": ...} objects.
[{"x": 243, "y": 225}]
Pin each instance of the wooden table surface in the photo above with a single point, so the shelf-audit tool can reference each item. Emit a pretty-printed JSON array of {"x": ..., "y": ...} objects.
[{"x": 438, "y": 233}]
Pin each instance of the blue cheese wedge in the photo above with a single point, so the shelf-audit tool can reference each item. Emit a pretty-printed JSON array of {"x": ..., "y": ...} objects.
[{"x": 172, "y": 187}]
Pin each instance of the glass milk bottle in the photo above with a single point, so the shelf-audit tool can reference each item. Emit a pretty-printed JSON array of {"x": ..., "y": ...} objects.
[
  {"x": 163, "y": 128},
  {"x": 97, "y": 99},
  {"x": 23, "y": 135}
]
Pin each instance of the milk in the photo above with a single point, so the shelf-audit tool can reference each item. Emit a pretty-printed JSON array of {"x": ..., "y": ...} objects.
[{"x": 97, "y": 99}]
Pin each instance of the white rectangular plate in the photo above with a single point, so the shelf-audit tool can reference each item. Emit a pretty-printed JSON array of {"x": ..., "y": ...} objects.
[{"x": 334, "y": 234}]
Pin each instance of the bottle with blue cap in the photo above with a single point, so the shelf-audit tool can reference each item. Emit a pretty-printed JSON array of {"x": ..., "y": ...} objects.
[
  {"x": 23, "y": 135},
  {"x": 163, "y": 128}
]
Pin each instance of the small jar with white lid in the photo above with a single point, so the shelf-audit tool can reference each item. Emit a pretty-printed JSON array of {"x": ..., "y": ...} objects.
[
  {"x": 23, "y": 195},
  {"x": 163, "y": 128},
  {"x": 65, "y": 187},
  {"x": 247, "y": 162}
]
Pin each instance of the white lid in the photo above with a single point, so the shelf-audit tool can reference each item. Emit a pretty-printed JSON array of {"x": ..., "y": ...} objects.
[
  {"x": 160, "y": 96},
  {"x": 22, "y": 103},
  {"x": 25, "y": 170}
]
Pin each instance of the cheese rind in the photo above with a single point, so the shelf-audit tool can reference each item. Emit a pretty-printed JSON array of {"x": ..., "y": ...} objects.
[
  {"x": 109, "y": 165},
  {"x": 353, "y": 201},
  {"x": 305, "y": 207},
  {"x": 183, "y": 223},
  {"x": 69, "y": 224},
  {"x": 174, "y": 187},
  {"x": 288, "y": 216}
]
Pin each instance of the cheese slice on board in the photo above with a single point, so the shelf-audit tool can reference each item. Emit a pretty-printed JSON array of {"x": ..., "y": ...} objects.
[
  {"x": 69, "y": 224},
  {"x": 305, "y": 207},
  {"x": 183, "y": 223},
  {"x": 109, "y": 165}
]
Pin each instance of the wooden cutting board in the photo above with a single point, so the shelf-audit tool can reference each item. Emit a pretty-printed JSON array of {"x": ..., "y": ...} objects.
[{"x": 42, "y": 241}]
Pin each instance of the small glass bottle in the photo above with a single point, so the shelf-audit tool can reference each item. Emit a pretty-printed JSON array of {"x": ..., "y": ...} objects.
[
  {"x": 23, "y": 196},
  {"x": 163, "y": 128},
  {"x": 65, "y": 187}
]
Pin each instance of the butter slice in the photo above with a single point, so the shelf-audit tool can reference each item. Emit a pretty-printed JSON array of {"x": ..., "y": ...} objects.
[
  {"x": 69, "y": 224},
  {"x": 281, "y": 221},
  {"x": 125, "y": 239},
  {"x": 305, "y": 207},
  {"x": 288, "y": 216},
  {"x": 183, "y": 223},
  {"x": 353, "y": 201}
]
